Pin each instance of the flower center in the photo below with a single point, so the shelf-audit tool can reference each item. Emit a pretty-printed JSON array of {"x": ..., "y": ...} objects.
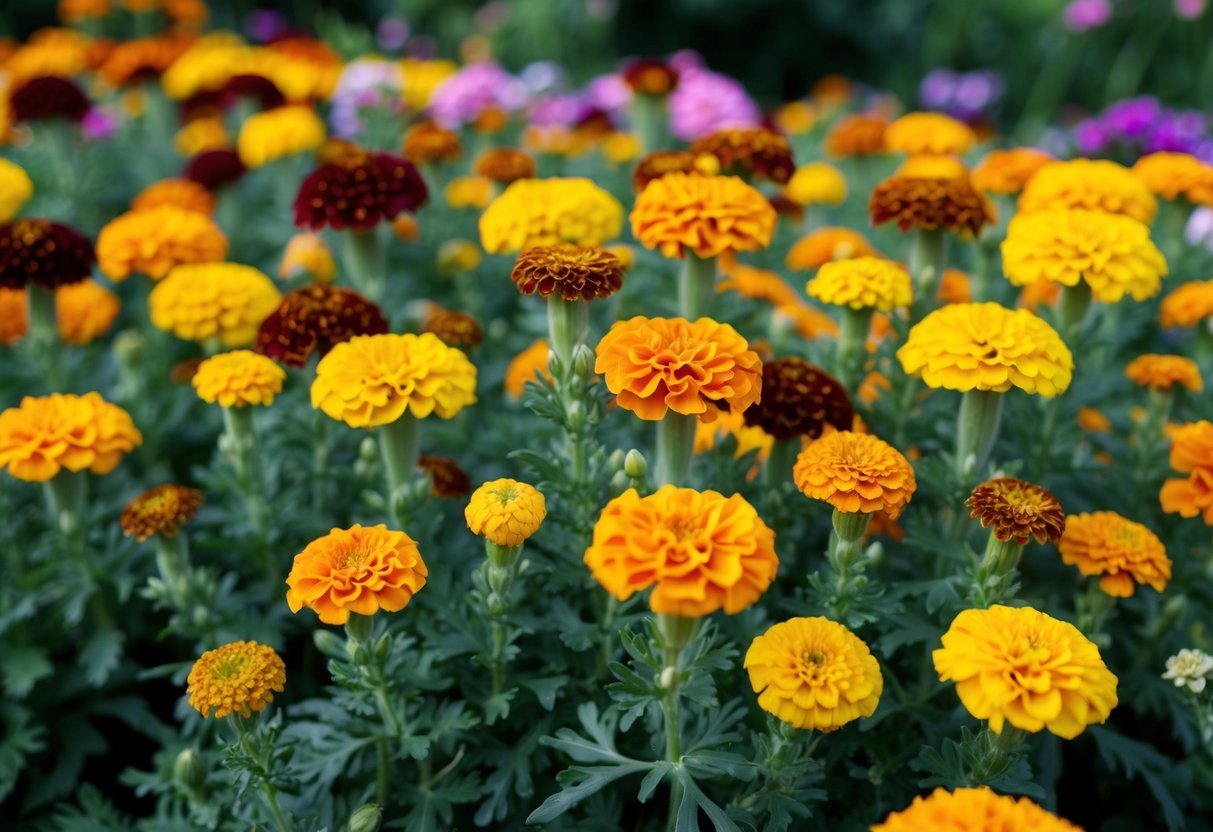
[
  {"x": 230, "y": 667},
  {"x": 506, "y": 494}
]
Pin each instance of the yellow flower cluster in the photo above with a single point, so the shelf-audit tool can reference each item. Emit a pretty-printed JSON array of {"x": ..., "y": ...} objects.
[
  {"x": 48, "y": 434},
  {"x": 238, "y": 379},
  {"x": 223, "y": 301},
  {"x": 277, "y": 133},
  {"x": 928, "y": 133},
  {"x": 1094, "y": 184},
  {"x": 505, "y": 511},
  {"x": 863, "y": 283},
  {"x": 544, "y": 212}
]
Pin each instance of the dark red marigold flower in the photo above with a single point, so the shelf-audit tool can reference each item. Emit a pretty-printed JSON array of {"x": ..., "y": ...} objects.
[
  {"x": 457, "y": 329},
  {"x": 576, "y": 272},
  {"x": 46, "y": 97},
  {"x": 753, "y": 151},
  {"x": 358, "y": 190},
  {"x": 447, "y": 479},
  {"x": 213, "y": 168},
  {"x": 786, "y": 207},
  {"x": 256, "y": 87},
  {"x": 505, "y": 165},
  {"x": 650, "y": 76},
  {"x": 44, "y": 253},
  {"x": 799, "y": 399},
  {"x": 317, "y": 318}
]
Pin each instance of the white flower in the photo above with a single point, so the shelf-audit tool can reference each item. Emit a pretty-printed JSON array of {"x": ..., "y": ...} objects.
[{"x": 1190, "y": 669}]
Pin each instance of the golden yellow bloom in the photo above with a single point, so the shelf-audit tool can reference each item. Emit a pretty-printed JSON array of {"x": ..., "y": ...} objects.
[
  {"x": 749, "y": 438},
  {"x": 356, "y": 570},
  {"x": 706, "y": 215},
  {"x": 156, "y": 240},
  {"x": 1017, "y": 510},
  {"x": 47, "y": 434},
  {"x": 1187, "y": 304},
  {"x": 277, "y": 133},
  {"x": 14, "y": 315},
  {"x": 817, "y": 183},
  {"x": 857, "y": 135},
  {"x": 863, "y": 283},
  {"x": 1124, "y": 553},
  {"x": 15, "y": 189},
  {"x": 932, "y": 167},
  {"x": 421, "y": 78},
  {"x": 208, "y": 64},
  {"x": 406, "y": 228},
  {"x": 132, "y": 62},
  {"x": 658, "y": 364},
  {"x": 85, "y": 310},
  {"x": 160, "y": 511},
  {"x": 308, "y": 253},
  {"x": 928, "y": 203},
  {"x": 1093, "y": 421},
  {"x": 1176, "y": 175},
  {"x": 524, "y": 366},
  {"x": 929, "y": 134},
  {"x": 238, "y": 378},
  {"x": 62, "y": 53},
  {"x": 469, "y": 192},
  {"x": 456, "y": 256},
  {"x": 620, "y": 147},
  {"x": 825, "y": 245},
  {"x": 1112, "y": 254},
  {"x": 984, "y": 346},
  {"x": 1007, "y": 171},
  {"x": 201, "y": 135},
  {"x": 699, "y": 550},
  {"x": 183, "y": 193},
  {"x": 372, "y": 380},
  {"x": 237, "y": 678},
  {"x": 225, "y": 301},
  {"x": 973, "y": 810},
  {"x": 505, "y": 511},
  {"x": 624, "y": 253},
  {"x": 856, "y": 473},
  {"x": 1094, "y": 184},
  {"x": 1038, "y": 293},
  {"x": 795, "y": 117},
  {"x": 809, "y": 322},
  {"x": 814, "y": 673},
  {"x": 1020, "y": 666},
  {"x": 543, "y": 212},
  {"x": 427, "y": 143},
  {"x": 1163, "y": 372},
  {"x": 1191, "y": 454}
]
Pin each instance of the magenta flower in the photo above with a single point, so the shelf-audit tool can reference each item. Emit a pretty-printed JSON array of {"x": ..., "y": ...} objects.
[
  {"x": 1084, "y": 15},
  {"x": 706, "y": 101},
  {"x": 471, "y": 90}
]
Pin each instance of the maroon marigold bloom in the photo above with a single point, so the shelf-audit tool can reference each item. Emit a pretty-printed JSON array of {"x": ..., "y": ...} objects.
[
  {"x": 799, "y": 399},
  {"x": 658, "y": 164},
  {"x": 951, "y": 204},
  {"x": 42, "y": 252},
  {"x": 447, "y": 479},
  {"x": 316, "y": 318},
  {"x": 786, "y": 207},
  {"x": 46, "y": 97},
  {"x": 255, "y": 87},
  {"x": 650, "y": 76},
  {"x": 576, "y": 272},
  {"x": 756, "y": 152},
  {"x": 458, "y": 329},
  {"x": 1017, "y": 510},
  {"x": 358, "y": 189},
  {"x": 213, "y": 168},
  {"x": 505, "y": 165}
]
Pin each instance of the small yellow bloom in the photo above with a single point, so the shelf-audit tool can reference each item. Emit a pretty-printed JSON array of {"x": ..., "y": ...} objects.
[
  {"x": 238, "y": 378},
  {"x": 277, "y": 133},
  {"x": 201, "y": 135},
  {"x": 239, "y": 678},
  {"x": 226, "y": 301},
  {"x": 505, "y": 511},
  {"x": 307, "y": 252},
  {"x": 863, "y": 283},
  {"x": 620, "y": 147},
  {"x": 15, "y": 189},
  {"x": 932, "y": 167},
  {"x": 469, "y": 192},
  {"x": 817, "y": 183},
  {"x": 457, "y": 255},
  {"x": 930, "y": 134}
]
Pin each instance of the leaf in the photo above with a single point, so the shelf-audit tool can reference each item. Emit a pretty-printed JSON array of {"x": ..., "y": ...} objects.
[
  {"x": 22, "y": 667},
  {"x": 546, "y": 689},
  {"x": 578, "y": 783},
  {"x": 720, "y": 820},
  {"x": 100, "y": 655},
  {"x": 1136, "y": 758},
  {"x": 653, "y": 779}
]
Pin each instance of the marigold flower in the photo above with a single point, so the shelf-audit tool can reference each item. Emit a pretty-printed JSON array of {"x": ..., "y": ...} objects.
[
  {"x": 699, "y": 550},
  {"x": 863, "y": 283},
  {"x": 73, "y": 11},
  {"x": 277, "y": 133},
  {"x": 826, "y": 245},
  {"x": 44, "y": 253},
  {"x": 48, "y": 97},
  {"x": 457, "y": 329},
  {"x": 356, "y": 570},
  {"x": 748, "y": 438},
  {"x": 973, "y": 810},
  {"x": 468, "y": 192},
  {"x": 984, "y": 346},
  {"x": 929, "y": 134},
  {"x": 759, "y": 284},
  {"x": 455, "y": 256},
  {"x": 183, "y": 193},
  {"x": 1020, "y": 666},
  {"x": 658, "y": 364},
  {"x": 932, "y": 167},
  {"x": 1176, "y": 175},
  {"x": 545, "y": 212},
  {"x": 1122, "y": 552},
  {"x": 1017, "y": 510},
  {"x": 421, "y": 78},
  {"x": 814, "y": 674},
  {"x": 239, "y": 678},
  {"x": 1190, "y": 669},
  {"x": 202, "y": 135},
  {"x": 706, "y": 215},
  {"x": 576, "y": 272},
  {"x": 156, "y": 240},
  {"x": 817, "y": 183},
  {"x": 663, "y": 162},
  {"x": 524, "y": 367},
  {"x": 135, "y": 61},
  {"x": 1163, "y": 372},
  {"x": 1112, "y": 254},
  {"x": 505, "y": 511},
  {"x": 315, "y": 319},
  {"x": 795, "y": 117},
  {"x": 226, "y": 301},
  {"x": 753, "y": 152},
  {"x": 856, "y": 473},
  {"x": 307, "y": 253},
  {"x": 447, "y": 480},
  {"x": 618, "y": 147},
  {"x": 1007, "y": 171},
  {"x": 857, "y": 135},
  {"x": 46, "y": 434},
  {"x": 160, "y": 511},
  {"x": 1187, "y": 304},
  {"x": 1094, "y": 184},
  {"x": 14, "y": 315},
  {"x": 85, "y": 310},
  {"x": 505, "y": 165},
  {"x": 372, "y": 380},
  {"x": 951, "y": 204},
  {"x": 358, "y": 190},
  {"x": 15, "y": 189},
  {"x": 1191, "y": 454},
  {"x": 799, "y": 399},
  {"x": 238, "y": 378},
  {"x": 426, "y": 142},
  {"x": 649, "y": 76},
  {"x": 1092, "y": 420}
]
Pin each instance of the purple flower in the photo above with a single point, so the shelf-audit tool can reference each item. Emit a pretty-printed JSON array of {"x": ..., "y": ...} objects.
[
  {"x": 463, "y": 96},
  {"x": 609, "y": 93},
  {"x": 1178, "y": 132},
  {"x": 566, "y": 109},
  {"x": 97, "y": 124},
  {"x": 266, "y": 25},
  {"x": 392, "y": 33},
  {"x": 686, "y": 59},
  {"x": 1199, "y": 230},
  {"x": 543, "y": 76},
  {"x": 937, "y": 89},
  {"x": 1084, "y": 15},
  {"x": 1131, "y": 118},
  {"x": 421, "y": 48},
  {"x": 367, "y": 83},
  {"x": 976, "y": 92},
  {"x": 706, "y": 101},
  {"x": 1189, "y": 9},
  {"x": 1091, "y": 137}
]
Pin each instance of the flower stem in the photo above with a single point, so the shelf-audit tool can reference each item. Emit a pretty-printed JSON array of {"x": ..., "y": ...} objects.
[
  {"x": 926, "y": 261},
  {"x": 240, "y": 445},
  {"x": 398, "y": 443},
  {"x": 366, "y": 261},
  {"x": 696, "y": 286},
  {"x": 568, "y": 326},
  {"x": 262, "y": 755},
  {"x": 677, "y": 633},
  {"x": 44, "y": 334},
  {"x": 852, "y": 345},
  {"x": 675, "y": 448},
  {"x": 1072, "y": 310},
  {"x": 976, "y": 430},
  {"x": 648, "y": 121}
]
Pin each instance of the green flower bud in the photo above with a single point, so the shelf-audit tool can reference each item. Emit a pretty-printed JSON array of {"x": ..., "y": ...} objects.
[
  {"x": 615, "y": 460},
  {"x": 188, "y": 771},
  {"x": 635, "y": 465},
  {"x": 583, "y": 361},
  {"x": 366, "y": 818},
  {"x": 330, "y": 644}
]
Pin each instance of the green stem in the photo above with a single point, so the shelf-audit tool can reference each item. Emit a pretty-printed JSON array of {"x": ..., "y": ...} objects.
[
  {"x": 172, "y": 561},
  {"x": 996, "y": 572},
  {"x": 927, "y": 258},
  {"x": 976, "y": 430},
  {"x": 264, "y": 757},
  {"x": 675, "y": 448},
  {"x": 240, "y": 442},
  {"x": 852, "y": 345},
  {"x": 649, "y": 121},
  {"x": 365, "y": 259},
  {"x": 44, "y": 334},
  {"x": 696, "y": 286},
  {"x": 398, "y": 444},
  {"x": 568, "y": 326},
  {"x": 676, "y": 634},
  {"x": 1072, "y": 311},
  {"x": 779, "y": 464}
]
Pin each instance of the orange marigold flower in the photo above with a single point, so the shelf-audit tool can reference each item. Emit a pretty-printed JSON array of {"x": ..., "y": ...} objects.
[
  {"x": 85, "y": 310},
  {"x": 1122, "y": 552},
  {"x": 620, "y": 147},
  {"x": 468, "y": 192},
  {"x": 1163, "y": 372},
  {"x": 427, "y": 143},
  {"x": 795, "y": 117},
  {"x": 202, "y": 135},
  {"x": 225, "y": 301},
  {"x": 238, "y": 379},
  {"x": 1093, "y": 421},
  {"x": 576, "y": 272},
  {"x": 1038, "y": 293},
  {"x": 706, "y": 215},
  {"x": 699, "y": 550},
  {"x": 662, "y": 162},
  {"x": 863, "y": 283},
  {"x": 237, "y": 678},
  {"x": 874, "y": 384},
  {"x": 135, "y": 61},
  {"x": 810, "y": 323},
  {"x": 1018, "y": 665},
  {"x": 160, "y": 511},
  {"x": 857, "y": 135},
  {"x": 455, "y": 328},
  {"x": 1176, "y": 175},
  {"x": 929, "y": 134},
  {"x": 356, "y": 570},
  {"x": 73, "y": 11},
  {"x": 954, "y": 287},
  {"x": 1094, "y": 184},
  {"x": 505, "y": 512},
  {"x": 799, "y": 399},
  {"x": 545, "y": 212},
  {"x": 1007, "y": 171},
  {"x": 14, "y": 315},
  {"x": 649, "y": 76},
  {"x": 47, "y": 434},
  {"x": 1187, "y": 304},
  {"x": 973, "y": 810},
  {"x": 951, "y": 204},
  {"x": 753, "y": 152},
  {"x": 505, "y": 165},
  {"x": 447, "y": 480},
  {"x": 747, "y": 437},
  {"x": 307, "y": 253},
  {"x": 526, "y": 366},
  {"x": 183, "y": 193},
  {"x": 759, "y": 284},
  {"x": 1191, "y": 454},
  {"x": 156, "y": 240},
  {"x": 1017, "y": 510},
  {"x": 817, "y": 183},
  {"x": 826, "y": 245},
  {"x": 856, "y": 473},
  {"x": 654, "y": 365}
]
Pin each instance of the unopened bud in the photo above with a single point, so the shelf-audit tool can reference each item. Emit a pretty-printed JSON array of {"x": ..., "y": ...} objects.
[
  {"x": 330, "y": 644},
  {"x": 368, "y": 450},
  {"x": 583, "y": 361},
  {"x": 188, "y": 771},
  {"x": 366, "y": 818},
  {"x": 635, "y": 465},
  {"x": 667, "y": 678},
  {"x": 576, "y": 415},
  {"x": 359, "y": 628},
  {"x": 620, "y": 482},
  {"x": 615, "y": 460}
]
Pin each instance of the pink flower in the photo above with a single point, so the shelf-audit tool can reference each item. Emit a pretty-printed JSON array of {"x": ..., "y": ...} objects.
[
  {"x": 1084, "y": 15},
  {"x": 1189, "y": 9}
]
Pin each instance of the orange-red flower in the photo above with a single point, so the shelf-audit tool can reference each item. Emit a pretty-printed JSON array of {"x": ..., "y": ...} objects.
[
  {"x": 856, "y": 473},
  {"x": 1191, "y": 454},
  {"x": 705, "y": 215},
  {"x": 1122, "y": 552}
]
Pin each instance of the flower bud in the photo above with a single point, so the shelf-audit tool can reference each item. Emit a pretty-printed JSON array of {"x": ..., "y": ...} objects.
[
  {"x": 188, "y": 771},
  {"x": 330, "y": 644},
  {"x": 615, "y": 460},
  {"x": 576, "y": 415},
  {"x": 620, "y": 482},
  {"x": 583, "y": 361},
  {"x": 667, "y": 678},
  {"x": 368, "y": 450},
  {"x": 366, "y": 818},
  {"x": 359, "y": 628},
  {"x": 635, "y": 465},
  {"x": 850, "y": 527}
]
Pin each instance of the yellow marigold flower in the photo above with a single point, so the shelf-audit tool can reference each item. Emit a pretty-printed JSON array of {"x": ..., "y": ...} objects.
[
  {"x": 1191, "y": 454},
  {"x": 356, "y": 570},
  {"x": 825, "y": 245},
  {"x": 749, "y": 438},
  {"x": 1007, "y": 171},
  {"x": 759, "y": 284},
  {"x": 308, "y": 253},
  {"x": 1094, "y": 184},
  {"x": 654, "y": 365},
  {"x": 795, "y": 117},
  {"x": 706, "y": 215},
  {"x": 14, "y": 316},
  {"x": 469, "y": 192},
  {"x": 625, "y": 254},
  {"x": 58, "y": 52},
  {"x": 973, "y": 810},
  {"x": 85, "y": 311},
  {"x": 183, "y": 193},
  {"x": 857, "y": 135},
  {"x": 47, "y": 434},
  {"x": 929, "y": 134},
  {"x": 932, "y": 167},
  {"x": 505, "y": 511},
  {"x": 1017, "y": 510},
  {"x": 856, "y": 473},
  {"x": 421, "y": 78},
  {"x": 1020, "y": 666},
  {"x": 951, "y": 204},
  {"x": 817, "y": 183},
  {"x": 505, "y": 165},
  {"x": 620, "y": 147},
  {"x": 1122, "y": 552},
  {"x": 157, "y": 240},
  {"x": 427, "y": 143},
  {"x": 277, "y": 133},
  {"x": 1093, "y": 421},
  {"x": 814, "y": 673},
  {"x": 863, "y": 283},
  {"x": 1112, "y": 254},
  {"x": 162, "y": 510},
  {"x": 699, "y": 550},
  {"x": 238, "y": 378},
  {"x": 15, "y": 189},
  {"x": 1163, "y": 372},
  {"x": 225, "y": 301},
  {"x": 201, "y": 135},
  {"x": 524, "y": 366},
  {"x": 543, "y": 212},
  {"x": 372, "y": 380},
  {"x": 984, "y": 346},
  {"x": 237, "y": 678},
  {"x": 1187, "y": 304},
  {"x": 1176, "y": 175},
  {"x": 456, "y": 256}
]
